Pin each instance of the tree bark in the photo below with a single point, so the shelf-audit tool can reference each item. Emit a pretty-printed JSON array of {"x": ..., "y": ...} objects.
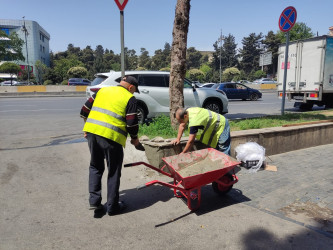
[{"x": 178, "y": 57}]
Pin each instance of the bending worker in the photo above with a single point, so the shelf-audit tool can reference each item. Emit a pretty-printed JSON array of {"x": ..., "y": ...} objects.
[
  {"x": 109, "y": 116},
  {"x": 207, "y": 126}
]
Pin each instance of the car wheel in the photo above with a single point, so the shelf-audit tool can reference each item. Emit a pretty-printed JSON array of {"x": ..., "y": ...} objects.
[
  {"x": 253, "y": 97},
  {"x": 214, "y": 106},
  {"x": 141, "y": 114}
]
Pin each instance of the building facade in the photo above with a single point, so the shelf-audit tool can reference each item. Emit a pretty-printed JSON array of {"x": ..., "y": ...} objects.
[{"x": 36, "y": 42}]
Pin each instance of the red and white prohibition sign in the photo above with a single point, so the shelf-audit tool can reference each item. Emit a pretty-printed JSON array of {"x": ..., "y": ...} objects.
[{"x": 121, "y": 4}]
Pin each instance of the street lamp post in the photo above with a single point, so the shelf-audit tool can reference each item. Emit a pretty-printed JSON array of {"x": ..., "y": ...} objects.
[
  {"x": 26, "y": 47},
  {"x": 220, "y": 40}
]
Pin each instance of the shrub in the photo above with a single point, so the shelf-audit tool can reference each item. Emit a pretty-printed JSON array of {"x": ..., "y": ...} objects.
[
  {"x": 259, "y": 74},
  {"x": 165, "y": 69},
  {"x": 230, "y": 73},
  {"x": 160, "y": 126},
  {"x": 64, "y": 82},
  {"x": 77, "y": 72},
  {"x": 195, "y": 74},
  {"x": 48, "y": 82}
]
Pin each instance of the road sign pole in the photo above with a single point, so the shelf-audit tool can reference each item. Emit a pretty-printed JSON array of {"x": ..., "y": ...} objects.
[
  {"x": 122, "y": 43},
  {"x": 285, "y": 73}
]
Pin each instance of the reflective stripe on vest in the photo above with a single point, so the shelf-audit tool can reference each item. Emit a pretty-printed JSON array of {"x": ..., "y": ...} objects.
[
  {"x": 217, "y": 124},
  {"x": 108, "y": 112},
  {"x": 208, "y": 125},
  {"x": 213, "y": 125},
  {"x": 108, "y": 125},
  {"x": 107, "y": 117}
]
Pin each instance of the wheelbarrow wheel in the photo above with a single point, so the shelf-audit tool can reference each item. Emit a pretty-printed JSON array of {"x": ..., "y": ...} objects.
[{"x": 221, "y": 189}]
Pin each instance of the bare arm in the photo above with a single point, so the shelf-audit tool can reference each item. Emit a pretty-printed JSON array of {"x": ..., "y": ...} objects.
[
  {"x": 189, "y": 143},
  {"x": 180, "y": 133}
]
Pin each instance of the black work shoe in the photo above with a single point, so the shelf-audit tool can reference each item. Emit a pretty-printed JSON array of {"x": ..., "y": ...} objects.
[
  {"x": 96, "y": 207},
  {"x": 118, "y": 209}
]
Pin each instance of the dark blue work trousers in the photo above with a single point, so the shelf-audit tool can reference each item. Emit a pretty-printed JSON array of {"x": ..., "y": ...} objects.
[{"x": 100, "y": 149}]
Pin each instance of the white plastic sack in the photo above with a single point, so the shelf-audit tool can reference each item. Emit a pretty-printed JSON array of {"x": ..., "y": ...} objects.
[{"x": 251, "y": 151}]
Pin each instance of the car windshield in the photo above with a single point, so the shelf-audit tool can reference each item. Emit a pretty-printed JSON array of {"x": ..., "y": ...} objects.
[{"x": 98, "y": 80}]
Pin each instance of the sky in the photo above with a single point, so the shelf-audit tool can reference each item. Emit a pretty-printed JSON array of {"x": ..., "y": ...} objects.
[{"x": 148, "y": 23}]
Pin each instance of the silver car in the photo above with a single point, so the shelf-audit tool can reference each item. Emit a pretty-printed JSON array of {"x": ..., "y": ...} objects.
[{"x": 153, "y": 99}]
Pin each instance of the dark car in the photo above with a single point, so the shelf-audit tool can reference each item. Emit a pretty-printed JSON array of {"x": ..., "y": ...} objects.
[
  {"x": 78, "y": 81},
  {"x": 238, "y": 91}
]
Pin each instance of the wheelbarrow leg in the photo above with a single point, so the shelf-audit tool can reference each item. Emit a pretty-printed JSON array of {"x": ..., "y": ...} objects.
[
  {"x": 192, "y": 196},
  {"x": 175, "y": 190}
]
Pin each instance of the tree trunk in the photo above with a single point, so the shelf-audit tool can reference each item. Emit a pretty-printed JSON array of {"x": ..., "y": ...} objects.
[{"x": 178, "y": 57}]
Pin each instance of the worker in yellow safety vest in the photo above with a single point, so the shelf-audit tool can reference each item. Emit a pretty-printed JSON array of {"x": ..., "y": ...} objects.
[
  {"x": 204, "y": 125},
  {"x": 109, "y": 116}
]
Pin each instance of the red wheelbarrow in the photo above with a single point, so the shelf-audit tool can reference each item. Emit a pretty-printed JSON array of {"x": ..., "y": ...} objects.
[{"x": 191, "y": 171}]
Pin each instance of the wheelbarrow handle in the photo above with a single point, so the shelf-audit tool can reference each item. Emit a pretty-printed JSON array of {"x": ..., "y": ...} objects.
[
  {"x": 147, "y": 165},
  {"x": 133, "y": 164}
]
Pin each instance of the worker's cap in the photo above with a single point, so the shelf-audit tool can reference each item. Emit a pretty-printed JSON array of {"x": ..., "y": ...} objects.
[{"x": 132, "y": 80}]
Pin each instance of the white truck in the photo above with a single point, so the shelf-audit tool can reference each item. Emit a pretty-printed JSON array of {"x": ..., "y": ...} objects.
[{"x": 309, "y": 72}]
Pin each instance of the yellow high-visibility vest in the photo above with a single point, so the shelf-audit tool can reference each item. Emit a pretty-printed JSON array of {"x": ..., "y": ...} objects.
[
  {"x": 213, "y": 125},
  {"x": 107, "y": 117}
]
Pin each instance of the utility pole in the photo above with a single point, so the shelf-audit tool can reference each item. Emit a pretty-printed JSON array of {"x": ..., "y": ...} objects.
[
  {"x": 26, "y": 47},
  {"x": 220, "y": 40}
]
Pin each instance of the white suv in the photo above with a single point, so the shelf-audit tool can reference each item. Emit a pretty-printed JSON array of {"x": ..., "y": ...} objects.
[{"x": 153, "y": 99}]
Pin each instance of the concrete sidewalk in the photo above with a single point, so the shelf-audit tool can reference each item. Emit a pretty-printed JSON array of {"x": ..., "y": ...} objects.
[{"x": 44, "y": 204}]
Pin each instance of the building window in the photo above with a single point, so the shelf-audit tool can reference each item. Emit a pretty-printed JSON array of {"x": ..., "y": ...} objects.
[
  {"x": 43, "y": 49},
  {"x": 41, "y": 37}
]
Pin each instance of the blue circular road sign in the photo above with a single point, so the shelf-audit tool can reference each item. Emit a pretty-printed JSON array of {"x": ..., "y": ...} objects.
[{"x": 287, "y": 19}]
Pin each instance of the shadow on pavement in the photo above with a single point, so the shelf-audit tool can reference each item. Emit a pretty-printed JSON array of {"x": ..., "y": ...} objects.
[
  {"x": 259, "y": 238},
  {"x": 139, "y": 199},
  {"x": 210, "y": 201}
]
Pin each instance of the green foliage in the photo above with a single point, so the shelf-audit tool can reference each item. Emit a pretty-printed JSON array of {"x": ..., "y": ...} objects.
[
  {"x": 193, "y": 58},
  {"x": 40, "y": 70},
  {"x": 116, "y": 66},
  {"x": 205, "y": 68},
  {"x": 144, "y": 59},
  {"x": 167, "y": 69},
  {"x": 104, "y": 60},
  {"x": 10, "y": 68},
  {"x": 140, "y": 69},
  {"x": 77, "y": 72},
  {"x": 230, "y": 73},
  {"x": 64, "y": 82},
  {"x": 195, "y": 75},
  {"x": 259, "y": 74},
  {"x": 298, "y": 32},
  {"x": 63, "y": 65},
  {"x": 15, "y": 43},
  {"x": 272, "y": 42},
  {"x": 250, "y": 52},
  {"x": 160, "y": 126},
  {"x": 48, "y": 82},
  {"x": 227, "y": 55},
  {"x": 275, "y": 121}
]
